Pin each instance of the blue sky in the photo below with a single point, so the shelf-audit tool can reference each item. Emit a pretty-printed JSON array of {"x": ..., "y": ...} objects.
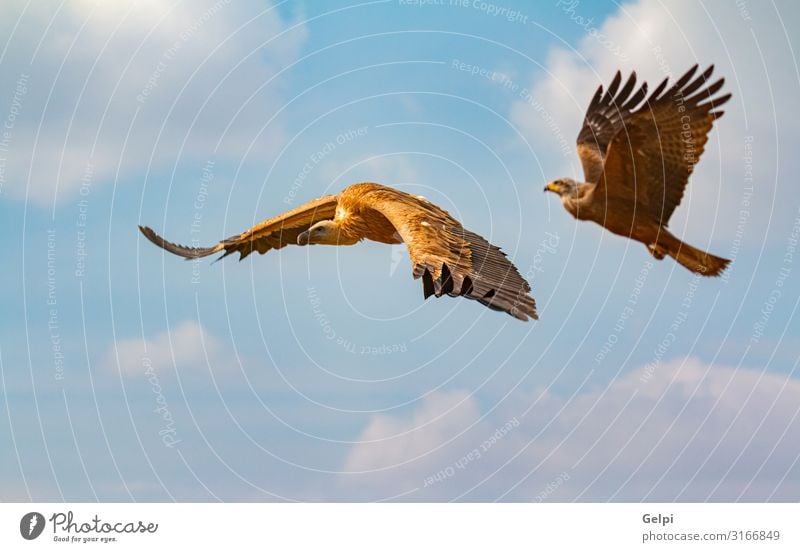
[{"x": 320, "y": 373}]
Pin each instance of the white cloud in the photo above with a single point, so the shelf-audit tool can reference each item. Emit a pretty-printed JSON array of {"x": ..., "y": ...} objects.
[
  {"x": 112, "y": 85},
  {"x": 660, "y": 39},
  {"x": 683, "y": 430},
  {"x": 388, "y": 441},
  {"x": 186, "y": 346}
]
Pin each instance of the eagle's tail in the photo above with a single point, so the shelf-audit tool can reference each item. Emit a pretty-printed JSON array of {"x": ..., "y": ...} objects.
[{"x": 699, "y": 262}]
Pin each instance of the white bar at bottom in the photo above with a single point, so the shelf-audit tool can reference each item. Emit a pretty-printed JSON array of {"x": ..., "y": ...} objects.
[{"x": 401, "y": 527}]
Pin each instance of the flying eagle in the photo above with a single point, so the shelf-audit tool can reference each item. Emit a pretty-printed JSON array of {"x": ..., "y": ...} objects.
[
  {"x": 450, "y": 259},
  {"x": 637, "y": 155}
]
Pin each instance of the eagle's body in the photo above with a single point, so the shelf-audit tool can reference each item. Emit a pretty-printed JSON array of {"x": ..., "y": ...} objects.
[
  {"x": 639, "y": 224},
  {"x": 637, "y": 156},
  {"x": 450, "y": 259}
]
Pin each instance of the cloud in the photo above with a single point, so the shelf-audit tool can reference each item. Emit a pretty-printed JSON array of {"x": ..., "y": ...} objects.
[
  {"x": 100, "y": 87},
  {"x": 682, "y": 430},
  {"x": 388, "y": 442},
  {"x": 656, "y": 40},
  {"x": 186, "y": 346}
]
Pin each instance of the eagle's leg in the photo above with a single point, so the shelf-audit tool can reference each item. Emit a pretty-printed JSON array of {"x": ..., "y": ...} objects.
[{"x": 656, "y": 250}]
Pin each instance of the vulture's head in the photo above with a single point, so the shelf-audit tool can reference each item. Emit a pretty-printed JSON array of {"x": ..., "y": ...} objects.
[
  {"x": 325, "y": 232},
  {"x": 564, "y": 187}
]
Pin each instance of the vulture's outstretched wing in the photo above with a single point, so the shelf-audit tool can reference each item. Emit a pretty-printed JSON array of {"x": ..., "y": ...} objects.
[
  {"x": 451, "y": 259},
  {"x": 274, "y": 233},
  {"x": 653, "y": 155}
]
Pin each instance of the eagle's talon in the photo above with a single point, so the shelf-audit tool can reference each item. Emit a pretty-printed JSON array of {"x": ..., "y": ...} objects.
[{"x": 657, "y": 251}]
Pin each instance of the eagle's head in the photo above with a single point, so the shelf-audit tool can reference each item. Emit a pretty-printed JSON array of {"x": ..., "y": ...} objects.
[
  {"x": 325, "y": 232},
  {"x": 564, "y": 187}
]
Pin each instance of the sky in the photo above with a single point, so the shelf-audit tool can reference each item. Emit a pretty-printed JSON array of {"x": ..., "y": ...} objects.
[{"x": 320, "y": 373}]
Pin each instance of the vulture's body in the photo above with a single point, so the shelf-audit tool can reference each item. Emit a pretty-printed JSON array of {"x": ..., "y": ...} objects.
[{"x": 450, "y": 259}]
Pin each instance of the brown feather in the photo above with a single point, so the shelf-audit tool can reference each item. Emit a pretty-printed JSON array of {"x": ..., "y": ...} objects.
[
  {"x": 273, "y": 233},
  {"x": 653, "y": 155},
  {"x": 182, "y": 250},
  {"x": 637, "y": 157},
  {"x": 604, "y": 118},
  {"x": 449, "y": 259}
]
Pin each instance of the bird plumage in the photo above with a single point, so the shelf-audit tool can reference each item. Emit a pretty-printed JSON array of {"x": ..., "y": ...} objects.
[
  {"x": 450, "y": 259},
  {"x": 637, "y": 153}
]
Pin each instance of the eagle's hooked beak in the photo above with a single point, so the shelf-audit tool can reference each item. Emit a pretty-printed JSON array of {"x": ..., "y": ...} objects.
[
  {"x": 551, "y": 187},
  {"x": 302, "y": 239}
]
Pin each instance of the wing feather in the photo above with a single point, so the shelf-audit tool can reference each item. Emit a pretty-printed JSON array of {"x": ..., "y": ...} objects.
[
  {"x": 452, "y": 260},
  {"x": 604, "y": 118},
  {"x": 652, "y": 156},
  {"x": 273, "y": 233}
]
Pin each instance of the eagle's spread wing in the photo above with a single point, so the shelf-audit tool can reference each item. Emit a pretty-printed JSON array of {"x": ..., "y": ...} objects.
[
  {"x": 274, "y": 233},
  {"x": 605, "y": 117},
  {"x": 652, "y": 156},
  {"x": 451, "y": 259}
]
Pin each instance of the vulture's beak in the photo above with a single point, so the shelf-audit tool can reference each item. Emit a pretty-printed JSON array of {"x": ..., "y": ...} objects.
[{"x": 302, "y": 239}]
